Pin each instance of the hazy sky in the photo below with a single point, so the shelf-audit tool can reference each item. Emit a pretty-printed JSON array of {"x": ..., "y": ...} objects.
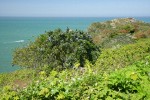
[{"x": 75, "y": 8}]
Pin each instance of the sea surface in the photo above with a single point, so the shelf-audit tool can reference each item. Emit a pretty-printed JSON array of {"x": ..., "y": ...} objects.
[{"x": 18, "y": 31}]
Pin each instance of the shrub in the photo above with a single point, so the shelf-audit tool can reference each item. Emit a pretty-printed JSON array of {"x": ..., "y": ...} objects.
[{"x": 57, "y": 49}]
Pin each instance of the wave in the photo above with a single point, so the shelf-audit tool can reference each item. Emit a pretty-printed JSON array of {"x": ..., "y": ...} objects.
[{"x": 18, "y": 41}]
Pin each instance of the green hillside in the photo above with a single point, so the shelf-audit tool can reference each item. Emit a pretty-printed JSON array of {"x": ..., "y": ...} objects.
[
  {"x": 113, "y": 64},
  {"x": 118, "y": 31}
]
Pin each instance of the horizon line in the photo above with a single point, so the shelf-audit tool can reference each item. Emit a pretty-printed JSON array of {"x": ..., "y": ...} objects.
[{"x": 77, "y": 16}]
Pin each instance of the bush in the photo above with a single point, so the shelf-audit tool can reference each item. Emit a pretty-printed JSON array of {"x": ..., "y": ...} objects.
[{"x": 57, "y": 49}]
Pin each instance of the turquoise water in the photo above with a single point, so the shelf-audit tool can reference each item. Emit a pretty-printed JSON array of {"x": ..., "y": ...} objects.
[{"x": 18, "y": 31}]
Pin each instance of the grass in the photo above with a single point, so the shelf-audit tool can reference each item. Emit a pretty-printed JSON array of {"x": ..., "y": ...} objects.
[{"x": 19, "y": 78}]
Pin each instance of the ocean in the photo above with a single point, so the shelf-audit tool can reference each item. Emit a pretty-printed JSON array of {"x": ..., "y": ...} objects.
[{"x": 18, "y": 31}]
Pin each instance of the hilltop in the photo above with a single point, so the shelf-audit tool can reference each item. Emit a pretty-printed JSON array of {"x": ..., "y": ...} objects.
[{"x": 118, "y": 31}]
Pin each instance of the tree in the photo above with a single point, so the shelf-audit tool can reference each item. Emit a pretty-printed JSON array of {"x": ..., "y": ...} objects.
[{"x": 57, "y": 49}]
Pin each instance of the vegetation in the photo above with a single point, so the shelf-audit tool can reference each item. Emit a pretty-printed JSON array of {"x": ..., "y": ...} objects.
[
  {"x": 57, "y": 49},
  {"x": 17, "y": 79},
  {"x": 131, "y": 82},
  {"x": 118, "y": 72},
  {"x": 118, "y": 57},
  {"x": 118, "y": 32}
]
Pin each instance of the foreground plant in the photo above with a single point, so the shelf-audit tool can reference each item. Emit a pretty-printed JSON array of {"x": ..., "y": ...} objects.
[{"x": 131, "y": 82}]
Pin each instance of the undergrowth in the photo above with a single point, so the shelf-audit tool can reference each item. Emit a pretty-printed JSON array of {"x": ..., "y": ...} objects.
[
  {"x": 129, "y": 83},
  {"x": 119, "y": 57}
]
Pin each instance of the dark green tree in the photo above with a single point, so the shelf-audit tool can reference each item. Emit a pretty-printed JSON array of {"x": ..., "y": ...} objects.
[{"x": 57, "y": 49}]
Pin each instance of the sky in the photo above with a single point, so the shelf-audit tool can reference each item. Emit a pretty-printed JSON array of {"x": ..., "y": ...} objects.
[{"x": 75, "y": 8}]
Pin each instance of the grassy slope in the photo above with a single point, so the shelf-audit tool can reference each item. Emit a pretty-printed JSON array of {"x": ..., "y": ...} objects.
[
  {"x": 114, "y": 58},
  {"x": 17, "y": 79}
]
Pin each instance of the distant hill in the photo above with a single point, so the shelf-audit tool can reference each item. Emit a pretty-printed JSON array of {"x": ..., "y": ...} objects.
[{"x": 118, "y": 31}]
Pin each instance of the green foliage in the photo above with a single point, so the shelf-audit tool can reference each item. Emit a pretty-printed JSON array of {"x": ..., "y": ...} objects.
[
  {"x": 110, "y": 33},
  {"x": 120, "y": 73},
  {"x": 132, "y": 82},
  {"x": 22, "y": 75},
  {"x": 57, "y": 49},
  {"x": 117, "y": 40},
  {"x": 118, "y": 57}
]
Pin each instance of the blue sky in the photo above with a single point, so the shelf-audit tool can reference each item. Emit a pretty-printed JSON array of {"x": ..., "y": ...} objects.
[{"x": 75, "y": 8}]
